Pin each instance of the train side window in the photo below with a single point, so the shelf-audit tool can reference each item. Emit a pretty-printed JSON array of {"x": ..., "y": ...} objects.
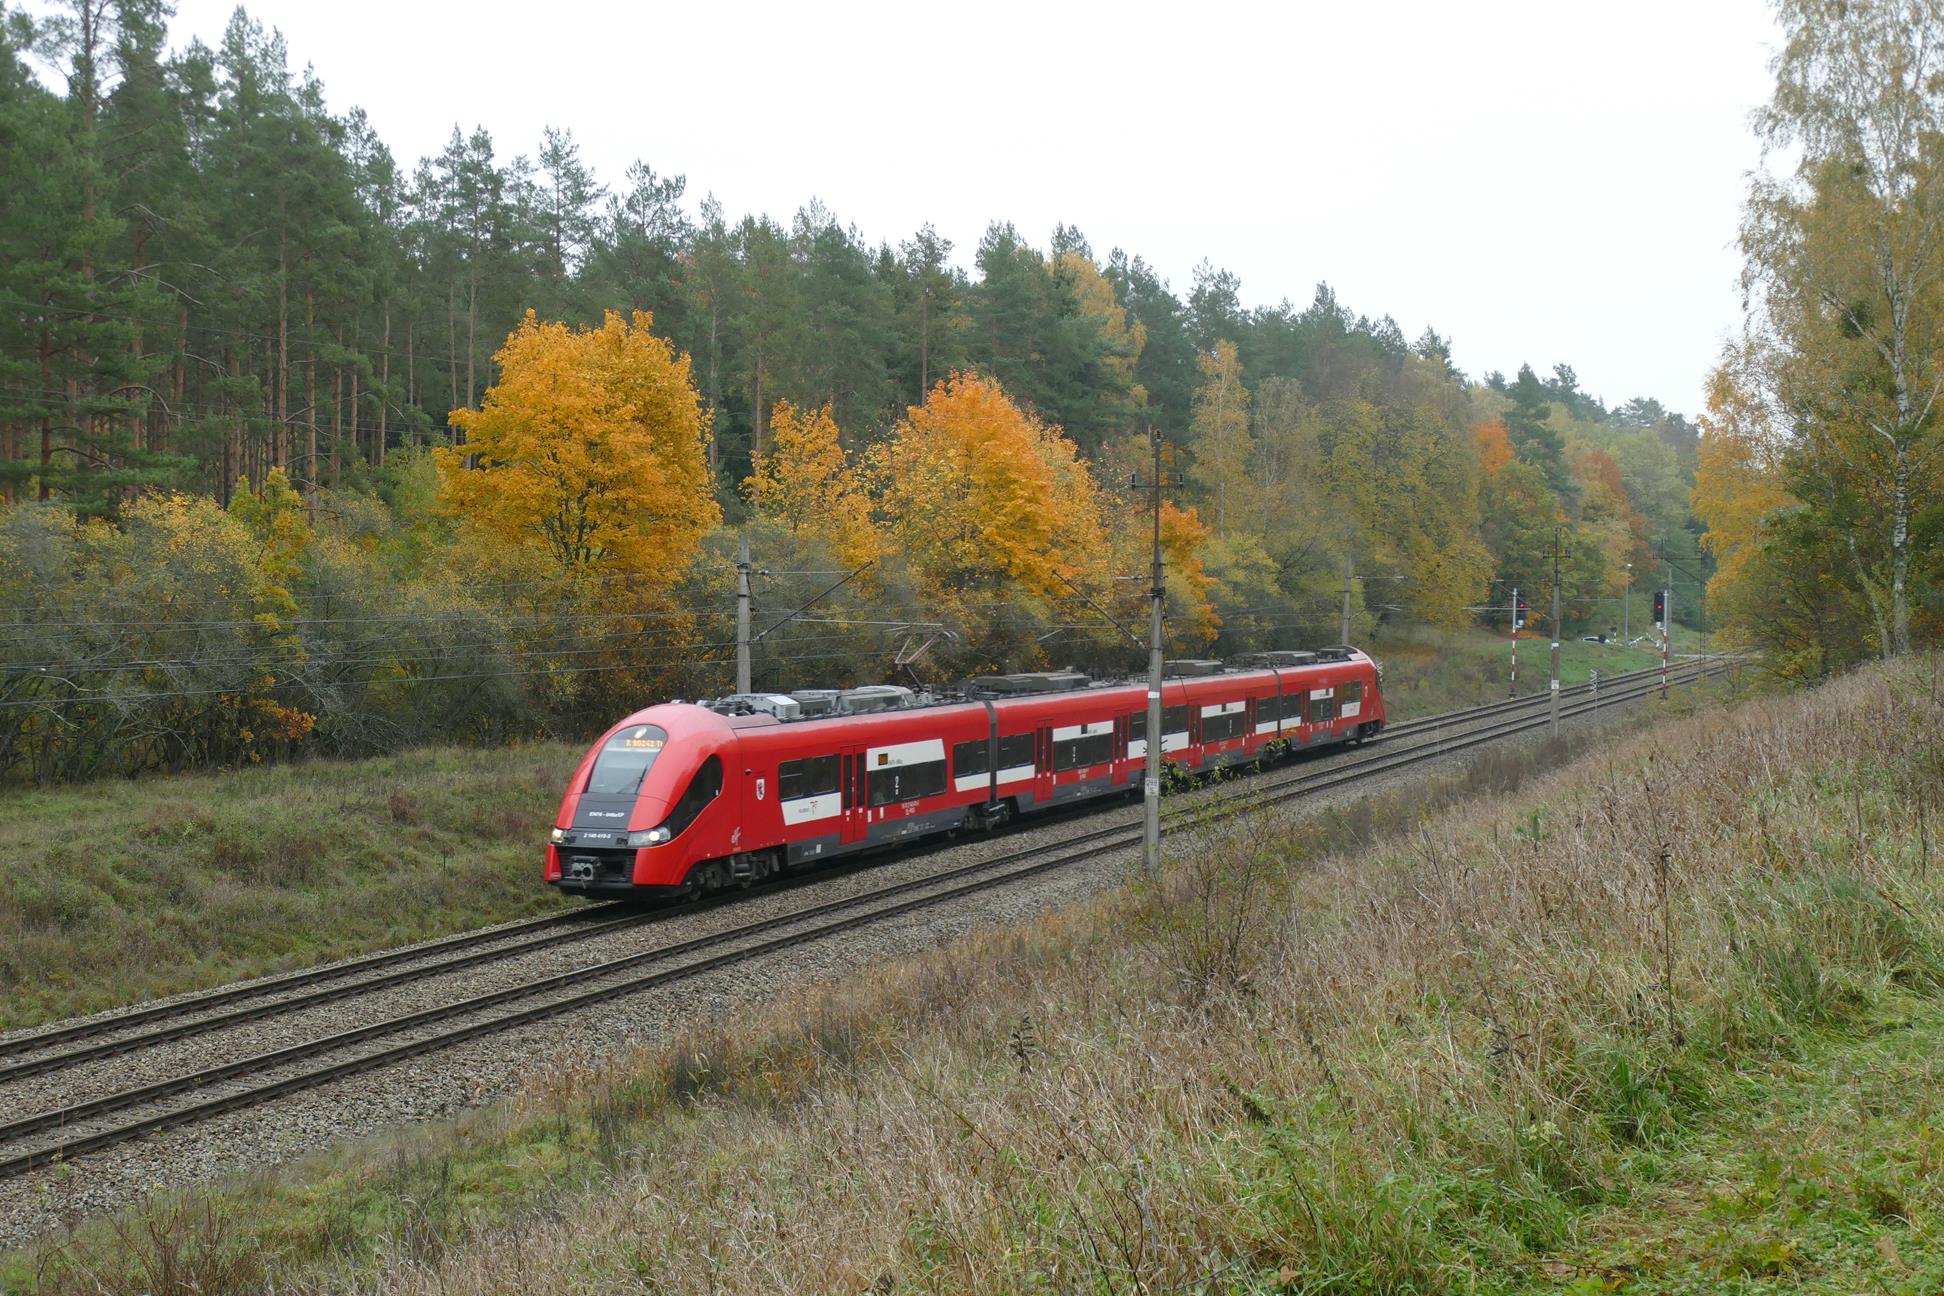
[
  {"x": 1216, "y": 728},
  {"x": 702, "y": 789},
  {"x": 1137, "y": 727},
  {"x": 1072, "y": 753},
  {"x": 811, "y": 776},
  {"x": 1174, "y": 720},
  {"x": 1015, "y": 750},
  {"x": 971, "y": 757},
  {"x": 1351, "y": 692},
  {"x": 1322, "y": 709},
  {"x": 907, "y": 782}
]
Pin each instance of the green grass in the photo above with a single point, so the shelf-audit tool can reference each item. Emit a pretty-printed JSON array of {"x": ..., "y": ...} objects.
[
  {"x": 1820, "y": 1173},
  {"x": 118, "y": 891}
]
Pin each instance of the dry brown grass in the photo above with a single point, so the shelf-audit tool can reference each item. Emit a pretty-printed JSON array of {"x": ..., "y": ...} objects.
[{"x": 1392, "y": 1069}]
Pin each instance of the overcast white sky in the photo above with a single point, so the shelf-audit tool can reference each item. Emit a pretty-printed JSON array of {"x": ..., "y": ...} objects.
[{"x": 1541, "y": 182}]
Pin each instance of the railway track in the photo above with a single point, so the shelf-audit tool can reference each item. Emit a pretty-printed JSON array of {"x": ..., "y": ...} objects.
[{"x": 79, "y": 1128}]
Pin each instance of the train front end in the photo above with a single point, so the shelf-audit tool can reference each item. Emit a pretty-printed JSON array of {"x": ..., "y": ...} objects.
[{"x": 645, "y": 804}]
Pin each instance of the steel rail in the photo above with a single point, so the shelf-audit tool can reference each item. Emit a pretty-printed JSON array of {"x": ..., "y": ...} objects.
[{"x": 291, "y": 980}]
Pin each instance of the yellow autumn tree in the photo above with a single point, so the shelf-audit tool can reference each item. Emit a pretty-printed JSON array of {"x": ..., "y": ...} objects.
[
  {"x": 1737, "y": 482},
  {"x": 805, "y": 482},
  {"x": 591, "y": 449},
  {"x": 1124, "y": 339},
  {"x": 1224, "y": 446}
]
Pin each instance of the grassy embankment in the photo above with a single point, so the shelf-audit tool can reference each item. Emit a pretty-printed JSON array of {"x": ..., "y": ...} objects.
[
  {"x": 120, "y": 891},
  {"x": 1667, "y": 1021}
]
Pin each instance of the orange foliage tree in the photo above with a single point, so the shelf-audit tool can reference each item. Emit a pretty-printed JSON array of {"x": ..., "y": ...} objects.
[
  {"x": 980, "y": 496},
  {"x": 592, "y": 449}
]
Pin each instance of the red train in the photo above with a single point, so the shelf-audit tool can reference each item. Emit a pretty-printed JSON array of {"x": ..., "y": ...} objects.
[{"x": 684, "y": 797}]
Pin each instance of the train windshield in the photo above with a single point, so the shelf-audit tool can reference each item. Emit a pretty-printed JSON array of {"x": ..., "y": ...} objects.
[{"x": 625, "y": 759}]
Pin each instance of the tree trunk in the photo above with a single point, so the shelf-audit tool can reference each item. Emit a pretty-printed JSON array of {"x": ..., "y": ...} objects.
[
  {"x": 384, "y": 394},
  {"x": 472, "y": 336},
  {"x": 411, "y": 375},
  {"x": 47, "y": 406},
  {"x": 138, "y": 433},
  {"x": 230, "y": 448},
  {"x": 310, "y": 407},
  {"x": 283, "y": 355},
  {"x": 1900, "y": 552},
  {"x": 181, "y": 378},
  {"x": 756, "y": 415},
  {"x": 452, "y": 341},
  {"x": 337, "y": 417}
]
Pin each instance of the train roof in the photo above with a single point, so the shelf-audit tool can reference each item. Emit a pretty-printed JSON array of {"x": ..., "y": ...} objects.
[{"x": 744, "y": 711}]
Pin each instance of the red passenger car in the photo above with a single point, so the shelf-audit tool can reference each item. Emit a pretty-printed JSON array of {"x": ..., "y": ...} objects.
[{"x": 689, "y": 797}]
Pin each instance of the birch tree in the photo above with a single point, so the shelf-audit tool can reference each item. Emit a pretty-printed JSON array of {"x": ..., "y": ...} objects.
[{"x": 1845, "y": 253}]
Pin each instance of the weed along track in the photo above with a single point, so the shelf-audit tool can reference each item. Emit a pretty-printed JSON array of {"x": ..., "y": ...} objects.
[{"x": 136, "y": 1098}]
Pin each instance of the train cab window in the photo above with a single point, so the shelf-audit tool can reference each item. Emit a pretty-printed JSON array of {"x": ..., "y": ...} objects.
[
  {"x": 972, "y": 757},
  {"x": 1322, "y": 709},
  {"x": 809, "y": 777},
  {"x": 702, "y": 789},
  {"x": 1072, "y": 753},
  {"x": 1015, "y": 750},
  {"x": 906, "y": 782},
  {"x": 625, "y": 760}
]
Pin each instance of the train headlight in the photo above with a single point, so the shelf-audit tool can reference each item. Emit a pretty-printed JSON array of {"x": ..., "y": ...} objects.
[
  {"x": 653, "y": 837},
  {"x": 558, "y": 836}
]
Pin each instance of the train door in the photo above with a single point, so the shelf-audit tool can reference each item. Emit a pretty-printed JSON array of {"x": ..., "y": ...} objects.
[{"x": 857, "y": 801}]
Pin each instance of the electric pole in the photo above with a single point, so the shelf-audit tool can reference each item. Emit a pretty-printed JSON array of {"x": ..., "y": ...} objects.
[
  {"x": 742, "y": 616},
  {"x": 1157, "y": 595},
  {"x": 1626, "y": 606},
  {"x": 1553, "y": 724},
  {"x": 1348, "y": 573}
]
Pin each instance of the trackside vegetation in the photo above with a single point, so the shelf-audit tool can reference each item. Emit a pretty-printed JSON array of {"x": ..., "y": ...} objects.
[
  {"x": 1659, "y": 1021},
  {"x": 130, "y": 890}
]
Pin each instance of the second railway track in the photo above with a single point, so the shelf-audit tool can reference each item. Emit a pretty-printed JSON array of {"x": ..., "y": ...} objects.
[{"x": 72, "y": 1130}]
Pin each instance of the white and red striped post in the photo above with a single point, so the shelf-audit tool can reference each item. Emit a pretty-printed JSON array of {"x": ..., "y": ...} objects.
[
  {"x": 1667, "y": 632},
  {"x": 1515, "y": 642}
]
